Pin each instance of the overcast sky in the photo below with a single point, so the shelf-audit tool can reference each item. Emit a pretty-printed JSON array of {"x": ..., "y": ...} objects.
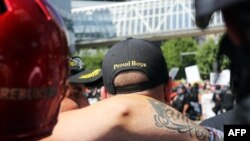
[
  {"x": 78, "y": 4},
  {"x": 87, "y": 3}
]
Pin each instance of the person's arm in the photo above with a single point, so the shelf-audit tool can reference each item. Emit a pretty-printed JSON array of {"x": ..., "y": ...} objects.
[
  {"x": 199, "y": 97},
  {"x": 127, "y": 118},
  {"x": 186, "y": 103},
  {"x": 185, "y": 108}
]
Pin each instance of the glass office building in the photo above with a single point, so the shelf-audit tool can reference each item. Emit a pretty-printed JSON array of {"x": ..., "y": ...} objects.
[
  {"x": 136, "y": 18},
  {"x": 94, "y": 24},
  {"x": 63, "y": 7}
]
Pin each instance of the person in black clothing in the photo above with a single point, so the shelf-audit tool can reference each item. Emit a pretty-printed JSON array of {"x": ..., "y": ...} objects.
[
  {"x": 217, "y": 99},
  {"x": 236, "y": 46},
  {"x": 194, "y": 109},
  {"x": 181, "y": 99},
  {"x": 227, "y": 99}
]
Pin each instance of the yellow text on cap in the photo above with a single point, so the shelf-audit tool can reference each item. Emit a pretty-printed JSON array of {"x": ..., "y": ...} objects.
[{"x": 90, "y": 75}]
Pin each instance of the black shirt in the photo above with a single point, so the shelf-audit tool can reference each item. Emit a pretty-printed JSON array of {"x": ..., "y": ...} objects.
[
  {"x": 227, "y": 100},
  {"x": 193, "y": 96},
  {"x": 180, "y": 101}
]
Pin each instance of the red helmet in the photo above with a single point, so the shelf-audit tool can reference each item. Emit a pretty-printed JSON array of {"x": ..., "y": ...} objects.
[{"x": 33, "y": 68}]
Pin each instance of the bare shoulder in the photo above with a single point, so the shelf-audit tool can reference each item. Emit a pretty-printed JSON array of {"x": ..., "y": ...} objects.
[
  {"x": 126, "y": 117},
  {"x": 95, "y": 122}
]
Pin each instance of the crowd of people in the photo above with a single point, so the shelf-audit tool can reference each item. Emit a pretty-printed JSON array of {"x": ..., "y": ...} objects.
[
  {"x": 187, "y": 98},
  {"x": 136, "y": 92}
]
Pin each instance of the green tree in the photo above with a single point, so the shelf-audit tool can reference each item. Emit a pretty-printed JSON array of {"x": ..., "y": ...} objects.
[
  {"x": 173, "y": 52},
  {"x": 92, "y": 58},
  {"x": 206, "y": 56}
]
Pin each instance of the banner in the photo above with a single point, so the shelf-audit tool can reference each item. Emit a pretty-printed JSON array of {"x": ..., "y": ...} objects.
[
  {"x": 223, "y": 78},
  {"x": 192, "y": 74}
]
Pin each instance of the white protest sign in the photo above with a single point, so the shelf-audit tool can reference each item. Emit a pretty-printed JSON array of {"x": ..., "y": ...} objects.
[
  {"x": 223, "y": 78},
  {"x": 192, "y": 74}
]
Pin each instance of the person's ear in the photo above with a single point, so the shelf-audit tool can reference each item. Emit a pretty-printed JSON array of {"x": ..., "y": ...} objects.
[
  {"x": 168, "y": 90},
  {"x": 104, "y": 93}
]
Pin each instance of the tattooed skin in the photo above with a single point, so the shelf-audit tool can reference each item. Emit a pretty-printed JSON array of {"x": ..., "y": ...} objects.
[{"x": 167, "y": 117}]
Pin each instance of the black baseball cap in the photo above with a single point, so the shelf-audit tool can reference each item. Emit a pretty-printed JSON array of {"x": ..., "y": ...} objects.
[
  {"x": 76, "y": 65},
  {"x": 80, "y": 75},
  {"x": 86, "y": 76},
  {"x": 134, "y": 54}
]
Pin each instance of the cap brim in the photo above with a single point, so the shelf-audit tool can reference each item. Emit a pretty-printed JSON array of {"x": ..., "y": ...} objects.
[
  {"x": 207, "y": 7},
  {"x": 86, "y": 77}
]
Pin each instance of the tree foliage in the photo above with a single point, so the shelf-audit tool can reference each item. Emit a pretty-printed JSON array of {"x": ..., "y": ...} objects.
[
  {"x": 92, "y": 58},
  {"x": 206, "y": 56},
  {"x": 173, "y": 50}
]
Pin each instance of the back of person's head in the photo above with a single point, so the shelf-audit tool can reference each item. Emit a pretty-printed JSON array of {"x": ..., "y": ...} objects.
[
  {"x": 75, "y": 92},
  {"x": 196, "y": 86},
  {"x": 183, "y": 89},
  {"x": 79, "y": 79},
  {"x": 134, "y": 65},
  {"x": 194, "y": 90},
  {"x": 217, "y": 87},
  {"x": 33, "y": 68}
]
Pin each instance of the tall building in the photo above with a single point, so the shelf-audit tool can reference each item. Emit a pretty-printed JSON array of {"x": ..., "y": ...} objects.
[{"x": 63, "y": 7}]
